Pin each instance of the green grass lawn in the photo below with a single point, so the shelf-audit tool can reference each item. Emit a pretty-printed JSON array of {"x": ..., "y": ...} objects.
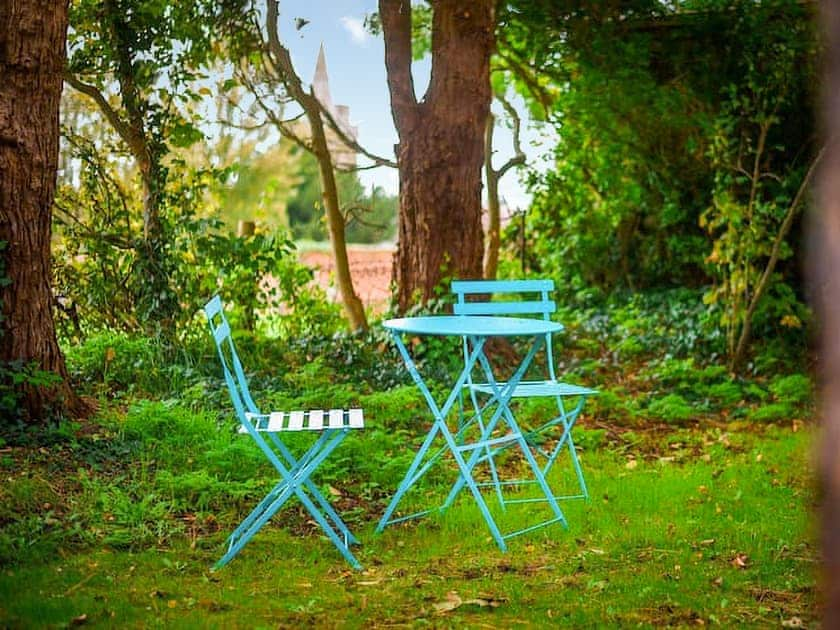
[{"x": 691, "y": 526}]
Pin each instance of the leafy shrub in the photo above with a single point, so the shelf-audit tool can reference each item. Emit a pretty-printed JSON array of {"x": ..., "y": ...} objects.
[
  {"x": 114, "y": 360},
  {"x": 668, "y": 323},
  {"x": 772, "y": 413},
  {"x": 608, "y": 404},
  {"x": 395, "y": 407},
  {"x": 671, "y": 408},
  {"x": 589, "y": 438},
  {"x": 726, "y": 393},
  {"x": 795, "y": 389}
]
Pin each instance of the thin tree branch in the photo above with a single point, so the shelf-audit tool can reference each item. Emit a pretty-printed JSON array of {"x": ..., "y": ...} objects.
[
  {"x": 527, "y": 75},
  {"x": 349, "y": 141},
  {"x": 518, "y": 158},
  {"x": 775, "y": 252},
  {"x": 120, "y": 126},
  {"x": 283, "y": 126}
]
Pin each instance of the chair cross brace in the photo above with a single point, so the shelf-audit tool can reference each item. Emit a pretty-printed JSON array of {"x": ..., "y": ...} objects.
[{"x": 295, "y": 481}]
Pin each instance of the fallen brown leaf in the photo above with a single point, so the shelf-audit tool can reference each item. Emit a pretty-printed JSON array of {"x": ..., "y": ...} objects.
[
  {"x": 739, "y": 561},
  {"x": 451, "y": 602}
]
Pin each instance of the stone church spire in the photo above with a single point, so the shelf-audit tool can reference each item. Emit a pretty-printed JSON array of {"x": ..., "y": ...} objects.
[
  {"x": 343, "y": 155},
  {"x": 321, "y": 82}
]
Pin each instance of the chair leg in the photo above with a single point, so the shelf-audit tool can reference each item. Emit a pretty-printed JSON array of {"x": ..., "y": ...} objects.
[
  {"x": 295, "y": 480},
  {"x": 567, "y": 420},
  {"x": 322, "y": 502},
  {"x": 261, "y": 507},
  {"x": 253, "y": 527}
]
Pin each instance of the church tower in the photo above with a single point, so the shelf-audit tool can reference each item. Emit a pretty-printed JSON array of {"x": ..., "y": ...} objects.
[{"x": 343, "y": 156}]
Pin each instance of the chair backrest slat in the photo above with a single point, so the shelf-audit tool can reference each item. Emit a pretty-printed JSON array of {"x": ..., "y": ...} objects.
[
  {"x": 482, "y": 292},
  {"x": 542, "y": 307},
  {"x": 222, "y": 332},
  {"x": 519, "y": 297},
  {"x": 502, "y": 286}
]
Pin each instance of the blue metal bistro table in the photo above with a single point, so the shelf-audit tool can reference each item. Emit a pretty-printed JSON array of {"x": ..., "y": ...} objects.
[{"x": 469, "y": 452}]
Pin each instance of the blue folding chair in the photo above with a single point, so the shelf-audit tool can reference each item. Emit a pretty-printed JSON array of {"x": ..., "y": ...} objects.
[
  {"x": 332, "y": 427},
  {"x": 525, "y": 298}
]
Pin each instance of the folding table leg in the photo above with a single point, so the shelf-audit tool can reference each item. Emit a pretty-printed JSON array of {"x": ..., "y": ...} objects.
[
  {"x": 500, "y": 400},
  {"x": 439, "y": 415},
  {"x": 466, "y": 476},
  {"x": 409, "y": 478}
]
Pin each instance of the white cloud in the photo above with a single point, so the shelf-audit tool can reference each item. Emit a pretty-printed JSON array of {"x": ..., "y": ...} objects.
[{"x": 356, "y": 28}]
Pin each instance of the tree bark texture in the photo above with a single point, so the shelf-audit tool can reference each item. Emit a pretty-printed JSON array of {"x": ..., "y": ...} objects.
[
  {"x": 441, "y": 143},
  {"x": 32, "y": 55},
  {"x": 825, "y": 287}
]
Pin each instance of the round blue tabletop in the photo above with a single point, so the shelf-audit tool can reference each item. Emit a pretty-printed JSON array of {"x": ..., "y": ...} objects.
[{"x": 483, "y": 326}]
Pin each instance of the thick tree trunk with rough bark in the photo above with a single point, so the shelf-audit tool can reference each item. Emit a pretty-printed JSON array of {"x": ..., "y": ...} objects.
[
  {"x": 32, "y": 49},
  {"x": 441, "y": 143}
]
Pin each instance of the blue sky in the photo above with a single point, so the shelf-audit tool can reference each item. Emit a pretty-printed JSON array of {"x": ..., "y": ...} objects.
[{"x": 356, "y": 67}]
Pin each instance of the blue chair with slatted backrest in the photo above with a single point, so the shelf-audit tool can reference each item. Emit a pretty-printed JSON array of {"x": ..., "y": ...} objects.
[
  {"x": 526, "y": 298},
  {"x": 331, "y": 427}
]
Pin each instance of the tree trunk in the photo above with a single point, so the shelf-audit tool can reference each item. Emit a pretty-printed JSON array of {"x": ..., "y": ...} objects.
[
  {"x": 824, "y": 261},
  {"x": 32, "y": 53},
  {"x": 282, "y": 61},
  {"x": 441, "y": 143},
  {"x": 353, "y": 306}
]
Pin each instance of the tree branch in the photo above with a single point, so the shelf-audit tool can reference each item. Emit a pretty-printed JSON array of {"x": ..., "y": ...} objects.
[
  {"x": 351, "y": 142},
  {"x": 123, "y": 130},
  {"x": 775, "y": 252},
  {"x": 518, "y": 158},
  {"x": 396, "y": 29},
  {"x": 283, "y": 126},
  {"x": 527, "y": 75}
]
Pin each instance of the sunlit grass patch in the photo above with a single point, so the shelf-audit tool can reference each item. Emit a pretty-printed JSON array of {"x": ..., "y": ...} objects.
[{"x": 687, "y": 527}]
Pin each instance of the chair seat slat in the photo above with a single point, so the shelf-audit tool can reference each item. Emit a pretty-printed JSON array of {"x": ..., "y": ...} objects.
[
  {"x": 357, "y": 419},
  {"x": 336, "y": 418},
  {"x": 316, "y": 420},
  {"x": 280, "y": 421},
  {"x": 275, "y": 422},
  {"x": 295, "y": 421}
]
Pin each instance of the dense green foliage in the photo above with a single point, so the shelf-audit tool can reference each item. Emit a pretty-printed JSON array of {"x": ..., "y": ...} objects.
[
  {"x": 139, "y": 63},
  {"x": 684, "y": 133}
]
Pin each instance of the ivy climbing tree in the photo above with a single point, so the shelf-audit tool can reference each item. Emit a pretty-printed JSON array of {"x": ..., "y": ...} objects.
[{"x": 139, "y": 61}]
